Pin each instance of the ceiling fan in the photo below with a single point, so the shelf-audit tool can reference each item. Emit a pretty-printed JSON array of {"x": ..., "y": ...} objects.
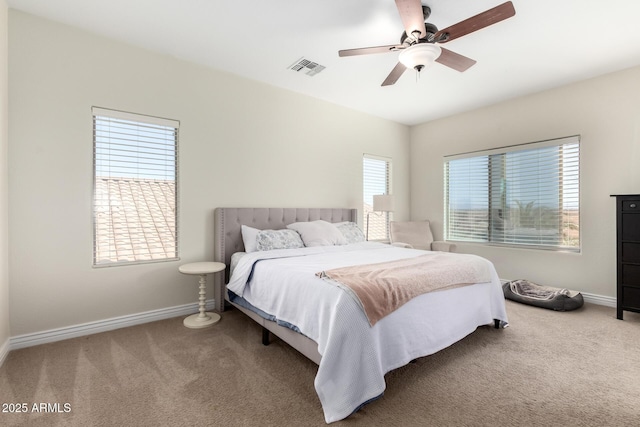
[{"x": 419, "y": 43}]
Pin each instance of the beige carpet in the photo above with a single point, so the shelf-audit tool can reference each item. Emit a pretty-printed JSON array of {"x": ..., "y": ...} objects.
[{"x": 578, "y": 368}]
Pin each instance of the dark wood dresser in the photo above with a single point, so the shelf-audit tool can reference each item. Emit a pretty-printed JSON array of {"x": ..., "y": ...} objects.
[{"x": 628, "y": 252}]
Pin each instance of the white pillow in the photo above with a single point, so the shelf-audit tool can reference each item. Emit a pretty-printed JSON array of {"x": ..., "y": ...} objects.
[
  {"x": 249, "y": 236},
  {"x": 318, "y": 233}
]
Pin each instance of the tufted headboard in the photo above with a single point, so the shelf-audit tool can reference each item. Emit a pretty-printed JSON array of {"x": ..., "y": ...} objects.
[{"x": 228, "y": 237}]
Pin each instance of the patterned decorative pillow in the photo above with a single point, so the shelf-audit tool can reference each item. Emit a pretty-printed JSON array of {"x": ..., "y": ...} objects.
[
  {"x": 268, "y": 240},
  {"x": 351, "y": 231}
]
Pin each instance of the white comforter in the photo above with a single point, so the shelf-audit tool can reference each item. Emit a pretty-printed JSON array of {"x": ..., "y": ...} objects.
[{"x": 356, "y": 356}]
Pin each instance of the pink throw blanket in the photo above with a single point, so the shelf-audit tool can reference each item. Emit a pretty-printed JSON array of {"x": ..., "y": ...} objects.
[{"x": 383, "y": 287}]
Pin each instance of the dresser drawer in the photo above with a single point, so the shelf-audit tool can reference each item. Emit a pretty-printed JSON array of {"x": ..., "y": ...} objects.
[
  {"x": 631, "y": 298},
  {"x": 631, "y": 226},
  {"x": 631, "y": 275},
  {"x": 630, "y": 205},
  {"x": 630, "y": 252}
]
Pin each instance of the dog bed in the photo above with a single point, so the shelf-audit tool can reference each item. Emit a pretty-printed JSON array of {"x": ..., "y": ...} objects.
[{"x": 530, "y": 293}]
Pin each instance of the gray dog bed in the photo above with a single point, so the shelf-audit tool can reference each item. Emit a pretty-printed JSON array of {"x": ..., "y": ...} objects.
[{"x": 530, "y": 293}]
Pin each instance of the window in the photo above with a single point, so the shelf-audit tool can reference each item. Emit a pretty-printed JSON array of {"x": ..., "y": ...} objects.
[
  {"x": 135, "y": 213},
  {"x": 376, "y": 173},
  {"x": 526, "y": 195}
]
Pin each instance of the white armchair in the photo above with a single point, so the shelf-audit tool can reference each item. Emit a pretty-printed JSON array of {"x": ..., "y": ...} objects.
[{"x": 417, "y": 235}]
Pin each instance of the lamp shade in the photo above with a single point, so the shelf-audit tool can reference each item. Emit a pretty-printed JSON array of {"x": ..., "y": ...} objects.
[
  {"x": 419, "y": 55},
  {"x": 383, "y": 203}
]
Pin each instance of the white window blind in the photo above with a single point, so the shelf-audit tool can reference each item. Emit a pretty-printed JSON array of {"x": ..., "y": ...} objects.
[
  {"x": 376, "y": 180},
  {"x": 135, "y": 188},
  {"x": 527, "y": 195}
]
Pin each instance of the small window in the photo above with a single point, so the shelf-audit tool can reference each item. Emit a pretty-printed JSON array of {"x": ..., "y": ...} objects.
[
  {"x": 376, "y": 181},
  {"x": 135, "y": 212},
  {"x": 526, "y": 196}
]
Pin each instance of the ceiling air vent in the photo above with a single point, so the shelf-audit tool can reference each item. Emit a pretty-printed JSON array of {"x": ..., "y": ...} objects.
[{"x": 310, "y": 68}]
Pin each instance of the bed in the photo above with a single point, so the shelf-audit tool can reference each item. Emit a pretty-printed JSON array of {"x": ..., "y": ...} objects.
[{"x": 324, "y": 321}]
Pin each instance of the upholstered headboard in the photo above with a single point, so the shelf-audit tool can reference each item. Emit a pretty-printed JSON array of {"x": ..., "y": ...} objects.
[{"x": 228, "y": 237}]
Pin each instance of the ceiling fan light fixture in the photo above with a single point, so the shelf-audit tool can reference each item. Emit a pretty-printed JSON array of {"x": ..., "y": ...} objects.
[{"x": 419, "y": 56}]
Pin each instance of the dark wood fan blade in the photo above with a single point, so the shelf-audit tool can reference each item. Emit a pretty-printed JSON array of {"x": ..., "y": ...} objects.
[
  {"x": 394, "y": 75},
  {"x": 475, "y": 23},
  {"x": 368, "y": 50},
  {"x": 455, "y": 60},
  {"x": 412, "y": 16}
]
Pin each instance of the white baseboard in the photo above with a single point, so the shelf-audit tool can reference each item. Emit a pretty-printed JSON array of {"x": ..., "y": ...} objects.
[
  {"x": 4, "y": 351},
  {"x": 600, "y": 300},
  {"x": 59, "y": 334}
]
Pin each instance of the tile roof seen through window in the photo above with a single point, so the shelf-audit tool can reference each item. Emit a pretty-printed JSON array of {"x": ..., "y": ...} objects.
[{"x": 135, "y": 220}]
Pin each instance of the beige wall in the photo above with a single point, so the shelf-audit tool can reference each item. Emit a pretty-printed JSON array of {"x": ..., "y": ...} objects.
[
  {"x": 605, "y": 111},
  {"x": 242, "y": 143},
  {"x": 4, "y": 226}
]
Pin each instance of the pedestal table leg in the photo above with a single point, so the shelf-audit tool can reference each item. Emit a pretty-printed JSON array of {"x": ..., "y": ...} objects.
[{"x": 202, "y": 319}]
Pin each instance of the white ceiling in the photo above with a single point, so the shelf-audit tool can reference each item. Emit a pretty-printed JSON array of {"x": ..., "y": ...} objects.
[{"x": 548, "y": 43}]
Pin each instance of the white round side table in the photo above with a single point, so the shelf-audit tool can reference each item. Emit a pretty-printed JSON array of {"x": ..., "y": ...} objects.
[{"x": 203, "y": 318}]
